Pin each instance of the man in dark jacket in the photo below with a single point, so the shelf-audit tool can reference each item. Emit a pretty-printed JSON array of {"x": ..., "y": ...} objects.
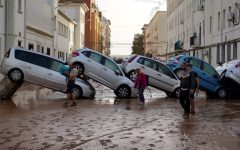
[{"x": 187, "y": 88}]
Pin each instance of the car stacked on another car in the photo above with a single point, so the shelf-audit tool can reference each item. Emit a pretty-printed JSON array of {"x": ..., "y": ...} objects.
[
  {"x": 103, "y": 70},
  {"x": 209, "y": 78},
  {"x": 159, "y": 75},
  {"x": 26, "y": 65}
]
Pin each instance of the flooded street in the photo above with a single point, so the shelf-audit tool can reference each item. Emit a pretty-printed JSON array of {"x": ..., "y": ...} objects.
[{"x": 109, "y": 123}]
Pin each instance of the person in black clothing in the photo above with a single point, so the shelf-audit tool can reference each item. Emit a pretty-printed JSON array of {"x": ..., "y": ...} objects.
[{"x": 188, "y": 84}]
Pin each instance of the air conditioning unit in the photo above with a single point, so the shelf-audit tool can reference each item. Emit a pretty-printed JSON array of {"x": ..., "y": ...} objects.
[{"x": 231, "y": 16}]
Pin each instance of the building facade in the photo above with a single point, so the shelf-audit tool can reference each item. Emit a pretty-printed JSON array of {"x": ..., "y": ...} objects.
[
  {"x": 207, "y": 29},
  {"x": 106, "y": 35},
  {"x": 156, "y": 35}
]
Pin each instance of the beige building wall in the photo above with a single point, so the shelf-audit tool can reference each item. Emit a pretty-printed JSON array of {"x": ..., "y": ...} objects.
[{"x": 156, "y": 34}]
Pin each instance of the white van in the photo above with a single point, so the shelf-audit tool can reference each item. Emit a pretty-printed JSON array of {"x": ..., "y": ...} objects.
[{"x": 21, "y": 64}]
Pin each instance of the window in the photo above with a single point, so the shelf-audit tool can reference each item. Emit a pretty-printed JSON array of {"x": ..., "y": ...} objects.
[
  {"x": 38, "y": 48},
  {"x": 30, "y": 46},
  {"x": 38, "y": 60},
  {"x": 219, "y": 25},
  {"x": 140, "y": 60},
  {"x": 20, "y": 55},
  {"x": 48, "y": 51},
  {"x": 42, "y": 49},
  {"x": 20, "y": 44},
  {"x": 195, "y": 62},
  {"x": 63, "y": 30},
  {"x": 218, "y": 54},
  {"x": 110, "y": 65},
  {"x": 151, "y": 64},
  {"x": 224, "y": 19},
  {"x": 210, "y": 25},
  {"x": 209, "y": 69},
  {"x": 210, "y": 56},
  {"x": 95, "y": 57},
  {"x": 20, "y": 6},
  {"x": 223, "y": 53},
  {"x": 86, "y": 53},
  {"x": 235, "y": 50},
  {"x": 165, "y": 70},
  {"x": 229, "y": 12},
  {"x": 55, "y": 65},
  {"x": 1, "y": 3},
  {"x": 228, "y": 52}
]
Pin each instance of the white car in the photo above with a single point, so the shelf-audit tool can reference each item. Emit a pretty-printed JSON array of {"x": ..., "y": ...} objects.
[
  {"x": 159, "y": 75},
  {"x": 25, "y": 65},
  {"x": 230, "y": 69},
  {"x": 103, "y": 70}
]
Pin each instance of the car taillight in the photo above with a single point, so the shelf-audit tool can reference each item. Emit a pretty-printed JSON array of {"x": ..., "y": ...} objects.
[
  {"x": 75, "y": 54},
  {"x": 237, "y": 65},
  {"x": 131, "y": 59}
]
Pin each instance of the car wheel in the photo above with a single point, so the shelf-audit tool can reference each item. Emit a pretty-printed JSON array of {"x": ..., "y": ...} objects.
[
  {"x": 222, "y": 93},
  {"x": 77, "y": 92},
  {"x": 123, "y": 91},
  {"x": 132, "y": 76},
  {"x": 177, "y": 92},
  {"x": 16, "y": 75},
  {"x": 80, "y": 68}
]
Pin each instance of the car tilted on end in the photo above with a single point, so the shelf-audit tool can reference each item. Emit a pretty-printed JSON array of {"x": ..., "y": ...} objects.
[
  {"x": 159, "y": 75},
  {"x": 26, "y": 65},
  {"x": 103, "y": 70},
  {"x": 209, "y": 78}
]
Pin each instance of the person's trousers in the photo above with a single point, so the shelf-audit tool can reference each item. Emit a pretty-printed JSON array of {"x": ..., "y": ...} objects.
[
  {"x": 140, "y": 94},
  {"x": 185, "y": 101}
]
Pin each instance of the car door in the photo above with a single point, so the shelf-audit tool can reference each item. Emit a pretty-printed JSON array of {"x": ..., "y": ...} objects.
[
  {"x": 93, "y": 64},
  {"x": 168, "y": 79},
  {"x": 110, "y": 73},
  {"x": 36, "y": 68},
  {"x": 54, "y": 79}
]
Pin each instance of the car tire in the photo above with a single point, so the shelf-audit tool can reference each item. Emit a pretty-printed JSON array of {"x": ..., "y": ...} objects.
[
  {"x": 80, "y": 68},
  {"x": 77, "y": 92},
  {"x": 123, "y": 91},
  {"x": 177, "y": 92},
  {"x": 222, "y": 93},
  {"x": 15, "y": 75},
  {"x": 132, "y": 75},
  {"x": 169, "y": 94}
]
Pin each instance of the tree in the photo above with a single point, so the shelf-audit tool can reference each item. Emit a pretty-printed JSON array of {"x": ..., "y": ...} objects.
[{"x": 138, "y": 44}]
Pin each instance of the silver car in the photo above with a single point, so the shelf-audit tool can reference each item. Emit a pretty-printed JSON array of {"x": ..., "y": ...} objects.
[
  {"x": 159, "y": 75},
  {"x": 103, "y": 70},
  {"x": 230, "y": 69},
  {"x": 20, "y": 64}
]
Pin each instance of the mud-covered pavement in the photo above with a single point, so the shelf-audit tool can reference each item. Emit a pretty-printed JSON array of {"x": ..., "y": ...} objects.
[{"x": 110, "y": 123}]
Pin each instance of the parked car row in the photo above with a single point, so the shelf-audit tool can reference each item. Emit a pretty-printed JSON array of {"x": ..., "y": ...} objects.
[{"x": 20, "y": 64}]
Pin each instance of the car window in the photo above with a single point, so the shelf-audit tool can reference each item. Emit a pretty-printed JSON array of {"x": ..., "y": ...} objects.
[
  {"x": 111, "y": 65},
  {"x": 86, "y": 53},
  {"x": 56, "y": 65},
  {"x": 95, "y": 57},
  {"x": 165, "y": 70},
  {"x": 21, "y": 55},
  {"x": 38, "y": 60},
  {"x": 140, "y": 60},
  {"x": 209, "y": 69},
  {"x": 195, "y": 62},
  {"x": 150, "y": 63}
]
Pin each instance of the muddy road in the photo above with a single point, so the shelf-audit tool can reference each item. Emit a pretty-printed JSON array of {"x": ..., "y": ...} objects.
[{"x": 109, "y": 123}]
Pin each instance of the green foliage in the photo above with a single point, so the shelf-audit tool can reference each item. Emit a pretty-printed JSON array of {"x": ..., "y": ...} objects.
[{"x": 138, "y": 45}]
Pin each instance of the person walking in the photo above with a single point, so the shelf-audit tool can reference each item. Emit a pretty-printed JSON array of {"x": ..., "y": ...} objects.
[
  {"x": 71, "y": 76},
  {"x": 140, "y": 84},
  {"x": 187, "y": 87},
  {"x": 196, "y": 90}
]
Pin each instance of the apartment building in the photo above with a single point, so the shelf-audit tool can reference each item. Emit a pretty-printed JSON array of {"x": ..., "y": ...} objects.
[
  {"x": 156, "y": 35},
  {"x": 207, "y": 29},
  {"x": 106, "y": 34}
]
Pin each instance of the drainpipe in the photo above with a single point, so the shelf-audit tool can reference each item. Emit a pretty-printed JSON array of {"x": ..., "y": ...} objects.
[
  {"x": 25, "y": 24},
  {"x": 6, "y": 20}
]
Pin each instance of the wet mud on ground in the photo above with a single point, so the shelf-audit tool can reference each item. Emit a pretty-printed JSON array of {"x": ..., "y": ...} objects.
[{"x": 109, "y": 123}]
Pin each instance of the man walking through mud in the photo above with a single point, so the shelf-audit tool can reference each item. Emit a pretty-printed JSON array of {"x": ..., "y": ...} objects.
[{"x": 187, "y": 86}]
